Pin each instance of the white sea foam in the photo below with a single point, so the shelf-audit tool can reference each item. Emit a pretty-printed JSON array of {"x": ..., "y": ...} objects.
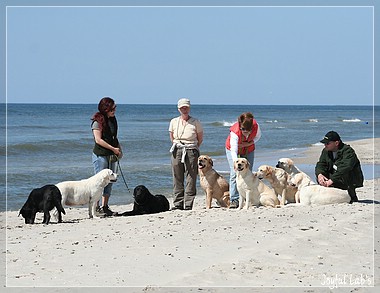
[
  {"x": 351, "y": 120},
  {"x": 227, "y": 124},
  {"x": 313, "y": 120},
  {"x": 317, "y": 144}
]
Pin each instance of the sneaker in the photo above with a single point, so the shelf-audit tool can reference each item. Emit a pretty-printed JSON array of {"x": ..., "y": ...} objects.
[
  {"x": 234, "y": 204},
  {"x": 99, "y": 212},
  {"x": 107, "y": 212}
]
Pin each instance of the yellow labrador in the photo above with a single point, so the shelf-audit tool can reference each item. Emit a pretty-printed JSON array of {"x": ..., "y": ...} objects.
[
  {"x": 289, "y": 167},
  {"x": 214, "y": 184},
  {"x": 311, "y": 193},
  {"x": 87, "y": 191},
  {"x": 278, "y": 179},
  {"x": 251, "y": 190}
]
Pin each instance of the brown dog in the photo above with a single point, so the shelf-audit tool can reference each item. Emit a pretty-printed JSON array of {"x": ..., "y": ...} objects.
[
  {"x": 214, "y": 184},
  {"x": 278, "y": 179}
]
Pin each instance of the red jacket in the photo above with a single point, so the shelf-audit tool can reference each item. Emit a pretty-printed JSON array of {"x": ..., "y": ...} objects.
[{"x": 236, "y": 129}]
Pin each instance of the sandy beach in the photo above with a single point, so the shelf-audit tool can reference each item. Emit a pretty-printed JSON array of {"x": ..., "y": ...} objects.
[{"x": 289, "y": 249}]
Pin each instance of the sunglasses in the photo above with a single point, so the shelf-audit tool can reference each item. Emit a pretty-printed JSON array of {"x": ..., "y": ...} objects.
[
  {"x": 244, "y": 129},
  {"x": 113, "y": 109}
]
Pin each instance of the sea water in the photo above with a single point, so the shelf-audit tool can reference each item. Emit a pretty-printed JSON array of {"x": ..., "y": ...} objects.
[{"x": 49, "y": 143}]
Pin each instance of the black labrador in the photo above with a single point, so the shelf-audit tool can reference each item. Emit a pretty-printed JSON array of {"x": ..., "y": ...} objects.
[
  {"x": 147, "y": 203},
  {"x": 42, "y": 199}
]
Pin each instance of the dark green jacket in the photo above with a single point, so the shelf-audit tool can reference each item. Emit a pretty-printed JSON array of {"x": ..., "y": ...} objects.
[{"x": 344, "y": 171}]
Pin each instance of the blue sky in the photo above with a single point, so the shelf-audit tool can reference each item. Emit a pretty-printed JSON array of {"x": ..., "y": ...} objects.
[{"x": 213, "y": 55}]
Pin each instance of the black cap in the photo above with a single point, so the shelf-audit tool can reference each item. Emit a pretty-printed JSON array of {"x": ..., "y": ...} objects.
[{"x": 331, "y": 136}]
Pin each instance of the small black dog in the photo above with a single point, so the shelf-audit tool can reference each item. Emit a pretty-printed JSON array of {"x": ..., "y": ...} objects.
[
  {"x": 147, "y": 203},
  {"x": 42, "y": 199}
]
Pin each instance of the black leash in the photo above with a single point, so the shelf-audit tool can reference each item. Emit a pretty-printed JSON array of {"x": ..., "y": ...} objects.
[{"x": 122, "y": 175}]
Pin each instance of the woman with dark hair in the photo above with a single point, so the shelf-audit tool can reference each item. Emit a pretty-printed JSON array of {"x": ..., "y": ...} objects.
[
  {"x": 104, "y": 129},
  {"x": 241, "y": 143}
]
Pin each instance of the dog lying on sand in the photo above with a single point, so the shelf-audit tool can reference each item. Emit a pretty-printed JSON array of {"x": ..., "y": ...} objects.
[
  {"x": 310, "y": 193},
  {"x": 251, "y": 190},
  {"x": 42, "y": 199},
  {"x": 147, "y": 203},
  {"x": 213, "y": 184},
  {"x": 86, "y": 191}
]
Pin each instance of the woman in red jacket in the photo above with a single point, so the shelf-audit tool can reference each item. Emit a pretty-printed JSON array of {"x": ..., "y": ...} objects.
[{"x": 241, "y": 143}]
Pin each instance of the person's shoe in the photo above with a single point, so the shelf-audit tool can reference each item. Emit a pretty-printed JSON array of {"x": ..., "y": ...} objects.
[
  {"x": 353, "y": 195},
  {"x": 176, "y": 208},
  {"x": 188, "y": 208},
  {"x": 234, "y": 204},
  {"x": 99, "y": 212},
  {"x": 108, "y": 212}
]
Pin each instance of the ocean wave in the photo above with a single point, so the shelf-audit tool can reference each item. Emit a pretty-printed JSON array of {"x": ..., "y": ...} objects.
[
  {"x": 317, "y": 144},
  {"x": 271, "y": 121},
  {"x": 48, "y": 147},
  {"x": 351, "y": 120},
  {"x": 222, "y": 123}
]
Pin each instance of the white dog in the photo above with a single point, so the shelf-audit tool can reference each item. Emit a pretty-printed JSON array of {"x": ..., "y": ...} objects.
[
  {"x": 310, "y": 193},
  {"x": 86, "y": 191},
  {"x": 251, "y": 190}
]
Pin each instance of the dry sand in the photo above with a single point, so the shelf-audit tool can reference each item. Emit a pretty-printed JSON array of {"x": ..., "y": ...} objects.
[{"x": 290, "y": 249}]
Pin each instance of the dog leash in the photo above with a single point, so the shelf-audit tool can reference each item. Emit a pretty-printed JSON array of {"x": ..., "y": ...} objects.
[{"x": 122, "y": 175}]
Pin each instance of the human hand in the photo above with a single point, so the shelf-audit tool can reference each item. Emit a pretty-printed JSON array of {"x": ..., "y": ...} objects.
[
  {"x": 322, "y": 179},
  {"x": 117, "y": 152}
]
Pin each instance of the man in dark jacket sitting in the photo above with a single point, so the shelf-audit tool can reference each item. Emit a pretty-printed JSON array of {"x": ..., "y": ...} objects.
[{"x": 338, "y": 166}]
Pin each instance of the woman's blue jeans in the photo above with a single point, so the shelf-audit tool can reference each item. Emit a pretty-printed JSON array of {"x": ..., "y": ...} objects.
[{"x": 100, "y": 163}]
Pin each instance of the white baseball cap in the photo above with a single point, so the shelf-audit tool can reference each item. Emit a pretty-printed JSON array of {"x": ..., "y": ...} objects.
[{"x": 183, "y": 103}]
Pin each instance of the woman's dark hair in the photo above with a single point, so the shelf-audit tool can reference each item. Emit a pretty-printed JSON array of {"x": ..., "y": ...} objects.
[
  {"x": 246, "y": 121},
  {"x": 105, "y": 105}
]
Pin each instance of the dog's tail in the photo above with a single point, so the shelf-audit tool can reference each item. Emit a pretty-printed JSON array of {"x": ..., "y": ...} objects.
[{"x": 60, "y": 208}]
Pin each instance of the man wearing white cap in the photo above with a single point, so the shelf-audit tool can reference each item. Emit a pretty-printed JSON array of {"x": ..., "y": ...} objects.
[{"x": 186, "y": 135}]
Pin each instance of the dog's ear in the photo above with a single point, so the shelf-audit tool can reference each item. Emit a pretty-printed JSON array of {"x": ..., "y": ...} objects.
[
  {"x": 296, "y": 180},
  {"x": 269, "y": 170},
  {"x": 211, "y": 161}
]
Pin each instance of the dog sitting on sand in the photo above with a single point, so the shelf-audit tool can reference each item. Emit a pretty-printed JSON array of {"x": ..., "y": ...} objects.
[
  {"x": 251, "y": 190},
  {"x": 213, "y": 184},
  {"x": 42, "y": 199},
  {"x": 289, "y": 167},
  {"x": 278, "y": 179}
]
